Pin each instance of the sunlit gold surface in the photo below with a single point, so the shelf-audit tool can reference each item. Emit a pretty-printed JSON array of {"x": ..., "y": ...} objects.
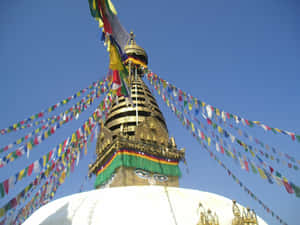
[
  {"x": 248, "y": 217},
  {"x": 133, "y": 49},
  {"x": 135, "y": 122}
]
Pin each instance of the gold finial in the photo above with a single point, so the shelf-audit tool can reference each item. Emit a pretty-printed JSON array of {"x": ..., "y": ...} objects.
[
  {"x": 132, "y": 49},
  {"x": 131, "y": 40}
]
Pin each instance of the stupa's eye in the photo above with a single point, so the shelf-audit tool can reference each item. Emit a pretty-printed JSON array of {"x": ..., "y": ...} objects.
[
  {"x": 160, "y": 178},
  {"x": 142, "y": 173}
]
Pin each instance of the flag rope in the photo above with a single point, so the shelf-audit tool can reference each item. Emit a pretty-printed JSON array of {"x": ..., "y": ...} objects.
[
  {"x": 24, "y": 123},
  {"x": 223, "y": 165}
]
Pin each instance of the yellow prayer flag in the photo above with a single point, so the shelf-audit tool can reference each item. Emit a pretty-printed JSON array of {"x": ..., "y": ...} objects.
[
  {"x": 85, "y": 150},
  {"x": 193, "y": 127},
  {"x": 208, "y": 141},
  {"x": 21, "y": 174},
  {"x": 87, "y": 128},
  {"x": 278, "y": 130},
  {"x": 190, "y": 106},
  {"x": 218, "y": 112},
  {"x": 112, "y": 7},
  {"x": 29, "y": 146},
  {"x": 47, "y": 172},
  {"x": 203, "y": 104},
  {"x": 220, "y": 130},
  {"x": 62, "y": 177},
  {"x": 252, "y": 153},
  {"x": 73, "y": 138},
  {"x": 9, "y": 155},
  {"x": 62, "y": 159},
  {"x": 44, "y": 160},
  {"x": 256, "y": 122},
  {"x": 2, "y": 212},
  {"x": 19, "y": 141},
  {"x": 59, "y": 150},
  {"x": 46, "y": 134},
  {"x": 262, "y": 173},
  {"x": 115, "y": 60},
  {"x": 101, "y": 24}
]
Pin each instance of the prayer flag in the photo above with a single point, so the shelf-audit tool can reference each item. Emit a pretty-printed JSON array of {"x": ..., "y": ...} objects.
[
  {"x": 287, "y": 186},
  {"x": 6, "y": 186},
  {"x": 30, "y": 169},
  {"x": 296, "y": 189}
]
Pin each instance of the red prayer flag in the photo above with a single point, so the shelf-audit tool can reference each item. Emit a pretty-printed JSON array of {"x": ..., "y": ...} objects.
[
  {"x": 13, "y": 203},
  {"x": 228, "y": 115},
  {"x": 50, "y": 154},
  {"x": 41, "y": 114},
  {"x": 288, "y": 187},
  {"x": 6, "y": 185},
  {"x": 36, "y": 141},
  {"x": 18, "y": 152},
  {"x": 30, "y": 169},
  {"x": 293, "y": 136},
  {"x": 209, "y": 121},
  {"x": 246, "y": 165},
  {"x": 222, "y": 149},
  {"x": 52, "y": 130}
]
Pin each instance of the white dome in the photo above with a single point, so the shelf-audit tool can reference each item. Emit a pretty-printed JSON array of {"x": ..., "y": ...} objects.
[{"x": 133, "y": 205}]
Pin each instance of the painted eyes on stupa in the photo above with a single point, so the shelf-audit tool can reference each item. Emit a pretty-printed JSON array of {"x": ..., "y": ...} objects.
[
  {"x": 142, "y": 174},
  {"x": 160, "y": 178},
  {"x": 146, "y": 175}
]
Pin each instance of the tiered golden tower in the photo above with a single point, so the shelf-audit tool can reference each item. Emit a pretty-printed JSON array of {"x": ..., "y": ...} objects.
[{"x": 133, "y": 147}]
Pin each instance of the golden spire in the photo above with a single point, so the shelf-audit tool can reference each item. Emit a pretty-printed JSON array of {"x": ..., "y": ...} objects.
[{"x": 136, "y": 123}]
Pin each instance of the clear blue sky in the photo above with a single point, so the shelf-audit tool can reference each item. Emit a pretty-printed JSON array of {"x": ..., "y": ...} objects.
[{"x": 241, "y": 56}]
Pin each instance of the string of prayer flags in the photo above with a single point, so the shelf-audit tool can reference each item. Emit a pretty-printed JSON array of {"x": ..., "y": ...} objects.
[
  {"x": 58, "y": 165},
  {"x": 267, "y": 147},
  {"x": 25, "y": 123},
  {"x": 219, "y": 147},
  {"x": 41, "y": 164},
  {"x": 33, "y": 142},
  {"x": 200, "y": 137},
  {"x": 224, "y": 115},
  {"x": 247, "y": 148},
  {"x": 48, "y": 190}
]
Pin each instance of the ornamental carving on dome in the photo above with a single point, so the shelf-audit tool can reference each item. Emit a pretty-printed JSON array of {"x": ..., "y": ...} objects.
[{"x": 247, "y": 217}]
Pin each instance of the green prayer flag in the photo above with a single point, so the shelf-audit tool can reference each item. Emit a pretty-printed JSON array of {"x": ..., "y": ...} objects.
[
  {"x": 251, "y": 124},
  {"x": 253, "y": 168},
  {"x": 278, "y": 174},
  {"x": 274, "y": 131},
  {"x": 185, "y": 103},
  {"x": 298, "y": 137},
  {"x": 296, "y": 189},
  {"x": 1, "y": 190}
]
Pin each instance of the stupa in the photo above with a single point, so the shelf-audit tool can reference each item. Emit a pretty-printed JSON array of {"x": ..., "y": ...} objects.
[{"x": 137, "y": 172}]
